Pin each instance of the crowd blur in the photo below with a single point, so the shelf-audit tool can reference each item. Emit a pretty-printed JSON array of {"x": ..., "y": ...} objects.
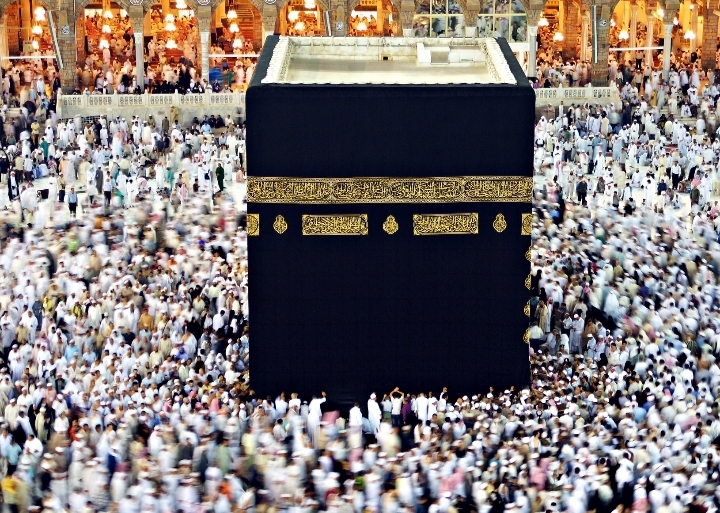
[
  {"x": 124, "y": 321},
  {"x": 626, "y": 66},
  {"x": 170, "y": 61}
]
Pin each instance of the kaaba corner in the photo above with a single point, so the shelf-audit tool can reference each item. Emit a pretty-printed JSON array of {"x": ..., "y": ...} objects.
[{"x": 389, "y": 207}]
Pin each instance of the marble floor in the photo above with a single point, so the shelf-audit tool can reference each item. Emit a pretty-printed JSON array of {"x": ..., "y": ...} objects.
[{"x": 318, "y": 70}]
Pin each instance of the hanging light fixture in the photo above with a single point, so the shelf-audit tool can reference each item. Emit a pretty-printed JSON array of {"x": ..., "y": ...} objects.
[
  {"x": 612, "y": 23},
  {"x": 237, "y": 43},
  {"x": 106, "y": 29},
  {"x": 40, "y": 13},
  {"x": 123, "y": 13},
  {"x": 108, "y": 14},
  {"x": 231, "y": 15},
  {"x": 37, "y": 30},
  {"x": 104, "y": 44},
  {"x": 171, "y": 44},
  {"x": 170, "y": 18},
  {"x": 170, "y": 27},
  {"x": 234, "y": 28},
  {"x": 181, "y": 5},
  {"x": 309, "y": 4},
  {"x": 543, "y": 22},
  {"x": 293, "y": 16},
  {"x": 660, "y": 13},
  {"x": 35, "y": 45},
  {"x": 558, "y": 37},
  {"x": 689, "y": 35},
  {"x": 300, "y": 26},
  {"x": 624, "y": 35}
]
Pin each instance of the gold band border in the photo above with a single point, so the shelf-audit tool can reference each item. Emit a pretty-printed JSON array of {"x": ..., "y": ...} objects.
[
  {"x": 456, "y": 189},
  {"x": 474, "y": 218},
  {"x": 307, "y": 217}
]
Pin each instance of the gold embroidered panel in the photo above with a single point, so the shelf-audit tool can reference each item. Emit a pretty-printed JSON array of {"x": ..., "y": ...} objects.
[
  {"x": 389, "y": 190},
  {"x": 445, "y": 224},
  {"x": 253, "y": 224},
  {"x": 526, "y": 224},
  {"x": 345, "y": 224},
  {"x": 280, "y": 225},
  {"x": 499, "y": 224}
]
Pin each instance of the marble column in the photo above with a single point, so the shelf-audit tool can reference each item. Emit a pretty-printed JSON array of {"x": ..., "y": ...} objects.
[
  {"x": 205, "y": 48},
  {"x": 407, "y": 15},
  {"x": 26, "y": 20},
  {"x": 139, "y": 60},
  {"x": 633, "y": 24},
  {"x": 137, "y": 21},
  {"x": 561, "y": 16},
  {"x": 471, "y": 23},
  {"x": 584, "y": 32},
  {"x": 204, "y": 16},
  {"x": 4, "y": 47},
  {"x": 667, "y": 50},
  {"x": 471, "y": 16},
  {"x": 80, "y": 38},
  {"x": 649, "y": 39},
  {"x": 269, "y": 19},
  {"x": 709, "y": 44},
  {"x": 601, "y": 38},
  {"x": 569, "y": 30},
  {"x": 532, "y": 50},
  {"x": 694, "y": 26}
]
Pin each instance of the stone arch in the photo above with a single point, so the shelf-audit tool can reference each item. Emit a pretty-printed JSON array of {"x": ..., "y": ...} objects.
[
  {"x": 352, "y": 4},
  {"x": 214, "y": 5},
  {"x": 321, "y": 3},
  {"x": 259, "y": 5},
  {"x": 47, "y": 4},
  {"x": 256, "y": 8},
  {"x": 611, "y": 4}
]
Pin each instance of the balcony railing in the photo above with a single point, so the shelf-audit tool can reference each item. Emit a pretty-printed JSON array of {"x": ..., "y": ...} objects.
[
  {"x": 110, "y": 101},
  {"x": 577, "y": 93}
]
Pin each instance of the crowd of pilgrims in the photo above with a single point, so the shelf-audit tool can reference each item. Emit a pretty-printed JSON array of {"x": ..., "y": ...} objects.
[
  {"x": 552, "y": 70},
  {"x": 112, "y": 69},
  {"x": 124, "y": 321}
]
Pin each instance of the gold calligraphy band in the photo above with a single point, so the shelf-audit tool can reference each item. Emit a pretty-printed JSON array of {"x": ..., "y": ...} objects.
[
  {"x": 457, "y": 189},
  {"x": 342, "y": 224},
  {"x": 445, "y": 224}
]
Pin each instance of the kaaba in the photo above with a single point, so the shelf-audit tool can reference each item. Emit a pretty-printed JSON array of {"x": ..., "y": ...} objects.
[{"x": 389, "y": 212}]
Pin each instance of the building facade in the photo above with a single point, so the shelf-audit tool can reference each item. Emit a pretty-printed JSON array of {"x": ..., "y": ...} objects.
[{"x": 207, "y": 31}]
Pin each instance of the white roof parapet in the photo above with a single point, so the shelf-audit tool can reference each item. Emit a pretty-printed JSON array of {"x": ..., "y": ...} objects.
[
  {"x": 490, "y": 67},
  {"x": 496, "y": 62},
  {"x": 278, "y": 62}
]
